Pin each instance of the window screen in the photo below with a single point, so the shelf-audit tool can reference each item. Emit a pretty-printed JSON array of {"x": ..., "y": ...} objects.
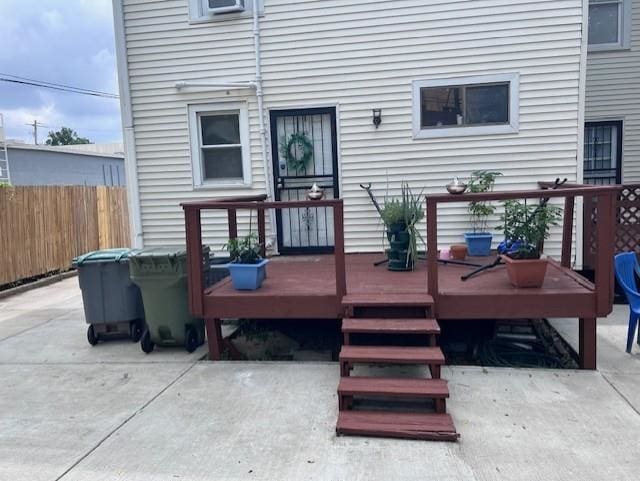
[{"x": 220, "y": 146}]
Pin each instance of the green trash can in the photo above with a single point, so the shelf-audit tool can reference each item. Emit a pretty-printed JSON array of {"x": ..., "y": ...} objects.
[
  {"x": 112, "y": 302},
  {"x": 161, "y": 274}
]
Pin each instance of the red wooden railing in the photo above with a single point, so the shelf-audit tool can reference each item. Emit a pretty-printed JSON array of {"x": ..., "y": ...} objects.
[
  {"x": 193, "y": 210},
  {"x": 604, "y": 195}
]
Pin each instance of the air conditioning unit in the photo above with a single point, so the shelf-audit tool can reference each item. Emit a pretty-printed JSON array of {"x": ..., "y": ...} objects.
[{"x": 217, "y": 7}]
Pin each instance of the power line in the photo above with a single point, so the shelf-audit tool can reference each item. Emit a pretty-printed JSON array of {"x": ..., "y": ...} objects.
[{"x": 55, "y": 86}]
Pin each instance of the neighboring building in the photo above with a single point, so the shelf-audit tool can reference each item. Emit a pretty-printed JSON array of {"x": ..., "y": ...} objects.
[
  {"x": 457, "y": 85},
  {"x": 612, "y": 112},
  {"x": 46, "y": 165}
]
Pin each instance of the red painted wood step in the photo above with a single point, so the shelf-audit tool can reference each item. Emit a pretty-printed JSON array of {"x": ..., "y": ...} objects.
[
  {"x": 390, "y": 326},
  {"x": 386, "y": 354},
  {"x": 401, "y": 387},
  {"x": 434, "y": 427},
  {"x": 387, "y": 300}
]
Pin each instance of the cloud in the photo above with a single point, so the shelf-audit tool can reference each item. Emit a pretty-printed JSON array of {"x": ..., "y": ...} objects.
[
  {"x": 53, "y": 21},
  {"x": 68, "y": 42}
]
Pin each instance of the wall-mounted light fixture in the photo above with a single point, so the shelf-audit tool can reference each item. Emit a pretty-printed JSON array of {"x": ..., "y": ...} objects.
[{"x": 377, "y": 117}]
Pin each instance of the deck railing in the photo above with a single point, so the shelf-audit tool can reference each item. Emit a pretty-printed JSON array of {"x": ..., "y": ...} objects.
[
  {"x": 193, "y": 210},
  {"x": 605, "y": 197}
]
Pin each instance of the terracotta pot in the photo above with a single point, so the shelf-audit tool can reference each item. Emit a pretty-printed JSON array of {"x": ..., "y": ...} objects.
[
  {"x": 525, "y": 272},
  {"x": 458, "y": 252}
]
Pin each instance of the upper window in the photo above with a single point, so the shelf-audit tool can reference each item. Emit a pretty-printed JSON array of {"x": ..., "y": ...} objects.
[
  {"x": 219, "y": 144},
  {"x": 465, "y": 106},
  {"x": 221, "y": 10},
  {"x": 609, "y": 24}
]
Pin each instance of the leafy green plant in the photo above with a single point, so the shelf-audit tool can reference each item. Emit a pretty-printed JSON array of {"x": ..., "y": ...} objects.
[
  {"x": 479, "y": 211},
  {"x": 244, "y": 250},
  {"x": 392, "y": 212},
  {"x": 405, "y": 212},
  {"x": 526, "y": 227}
]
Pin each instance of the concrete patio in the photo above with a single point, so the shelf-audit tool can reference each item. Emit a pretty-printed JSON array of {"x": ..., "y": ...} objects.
[{"x": 69, "y": 411}]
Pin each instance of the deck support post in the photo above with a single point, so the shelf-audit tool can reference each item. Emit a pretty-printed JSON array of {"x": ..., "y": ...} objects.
[
  {"x": 233, "y": 223},
  {"x": 214, "y": 338},
  {"x": 587, "y": 343},
  {"x": 195, "y": 279},
  {"x": 338, "y": 236},
  {"x": 261, "y": 232},
  {"x": 567, "y": 231},
  {"x": 432, "y": 253}
]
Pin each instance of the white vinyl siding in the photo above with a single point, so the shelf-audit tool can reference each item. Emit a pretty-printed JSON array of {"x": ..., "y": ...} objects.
[
  {"x": 357, "y": 56},
  {"x": 613, "y": 93}
]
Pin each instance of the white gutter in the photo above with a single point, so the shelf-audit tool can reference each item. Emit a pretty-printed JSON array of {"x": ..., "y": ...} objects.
[
  {"x": 222, "y": 85},
  {"x": 266, "y": 164},
  {"x": 130, "y": 161}
]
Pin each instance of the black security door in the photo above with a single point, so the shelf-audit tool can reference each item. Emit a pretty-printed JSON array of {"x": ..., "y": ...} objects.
[{"x": 305, "y": 151}]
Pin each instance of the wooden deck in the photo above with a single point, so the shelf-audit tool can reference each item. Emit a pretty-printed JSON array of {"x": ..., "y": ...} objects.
[
  {"x": 304, "y": 287},
  {"x": 336, "y": 286}
]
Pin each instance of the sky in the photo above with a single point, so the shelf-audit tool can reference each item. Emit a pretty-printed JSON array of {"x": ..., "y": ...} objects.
[{"x": 68, "y": 42}]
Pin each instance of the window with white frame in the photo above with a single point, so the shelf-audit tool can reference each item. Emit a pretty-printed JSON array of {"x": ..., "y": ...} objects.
[
  {"x": 219, "y": 144},
  {"x": 609, "y": 24},
  {"x": 477, "y": 105},
  {"x": 221, "y": 10}
]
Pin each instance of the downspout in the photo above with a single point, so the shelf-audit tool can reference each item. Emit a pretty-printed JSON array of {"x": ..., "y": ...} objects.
[
  {"x": 260, "y": 96},
  {"x": 582, "y": 95},
  {"x": 130, "y": 161}
]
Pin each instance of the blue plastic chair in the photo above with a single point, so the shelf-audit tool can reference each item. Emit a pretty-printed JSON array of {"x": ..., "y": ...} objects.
[{"x": 626, "y": 265}]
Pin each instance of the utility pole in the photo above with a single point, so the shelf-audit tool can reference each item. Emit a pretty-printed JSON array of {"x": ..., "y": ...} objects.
[{"x": 35, "y": 126}]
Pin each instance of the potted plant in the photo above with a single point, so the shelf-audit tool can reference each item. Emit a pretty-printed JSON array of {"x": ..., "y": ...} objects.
[
  {"x": 247, "y": 267},
  {"x": 479, "y": 240},
  {"x": 400, "y": 216},
  {"x": 526, "y": 227}
]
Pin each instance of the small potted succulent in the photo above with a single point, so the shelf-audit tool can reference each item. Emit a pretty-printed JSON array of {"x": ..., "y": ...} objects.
[
  {"x": 247, "y": 267},
  {"x": 400, "y": 216},
  {"x": 525, "y": 228},
  {"x": 479, "y": 240}
]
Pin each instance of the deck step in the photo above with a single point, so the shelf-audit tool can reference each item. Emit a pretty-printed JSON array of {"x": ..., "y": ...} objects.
[
  {"x": 390, "y": 326},
  {"x": 397, "y": 355},
  {"x": 435, "y": 427},
  {"x": 387, "y": 300},
  {"x": 392, "y": 387}
]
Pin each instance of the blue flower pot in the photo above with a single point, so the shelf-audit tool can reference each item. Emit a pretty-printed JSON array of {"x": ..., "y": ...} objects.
[
  {"x": 247, "y": 277},
  {"x": 479, "y": 244}
]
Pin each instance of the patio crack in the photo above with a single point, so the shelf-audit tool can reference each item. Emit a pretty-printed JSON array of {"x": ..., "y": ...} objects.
[
  {"x": 625, "y": 398},
  {"x": 123, "y": 423}
]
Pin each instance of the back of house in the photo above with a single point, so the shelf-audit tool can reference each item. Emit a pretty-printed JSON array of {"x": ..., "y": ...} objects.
[{"x": 349, "y": 93}]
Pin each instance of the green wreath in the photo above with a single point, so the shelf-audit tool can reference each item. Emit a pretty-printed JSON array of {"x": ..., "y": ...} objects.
[{"x": 297, "y": 151}]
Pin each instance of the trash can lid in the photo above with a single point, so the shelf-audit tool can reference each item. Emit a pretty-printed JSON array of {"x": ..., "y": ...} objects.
[
  {"x": 161, "y": 252},
  {"x": 104, "y": 255}
]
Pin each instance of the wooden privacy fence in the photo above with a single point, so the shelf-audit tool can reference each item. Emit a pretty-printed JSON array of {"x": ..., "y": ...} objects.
[{"x": 43, "y": 228}]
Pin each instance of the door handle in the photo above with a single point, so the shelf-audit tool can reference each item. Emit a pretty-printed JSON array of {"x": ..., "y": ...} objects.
[{"x": 279, "y": 183}]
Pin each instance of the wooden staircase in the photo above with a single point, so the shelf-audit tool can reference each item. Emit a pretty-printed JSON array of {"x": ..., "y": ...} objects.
[{"x": 361, "y": 319}]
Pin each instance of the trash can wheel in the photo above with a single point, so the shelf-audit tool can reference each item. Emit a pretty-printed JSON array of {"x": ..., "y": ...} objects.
[
  {"x": 135, "y": 330},
  {"x": 191, "y": 341},
  {"x": 145, "y": 342},
  {"x": 92, "y": 337}
]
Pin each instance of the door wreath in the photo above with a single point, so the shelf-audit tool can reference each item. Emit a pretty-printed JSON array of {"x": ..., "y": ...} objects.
[{"x": 297, "y": 151}]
